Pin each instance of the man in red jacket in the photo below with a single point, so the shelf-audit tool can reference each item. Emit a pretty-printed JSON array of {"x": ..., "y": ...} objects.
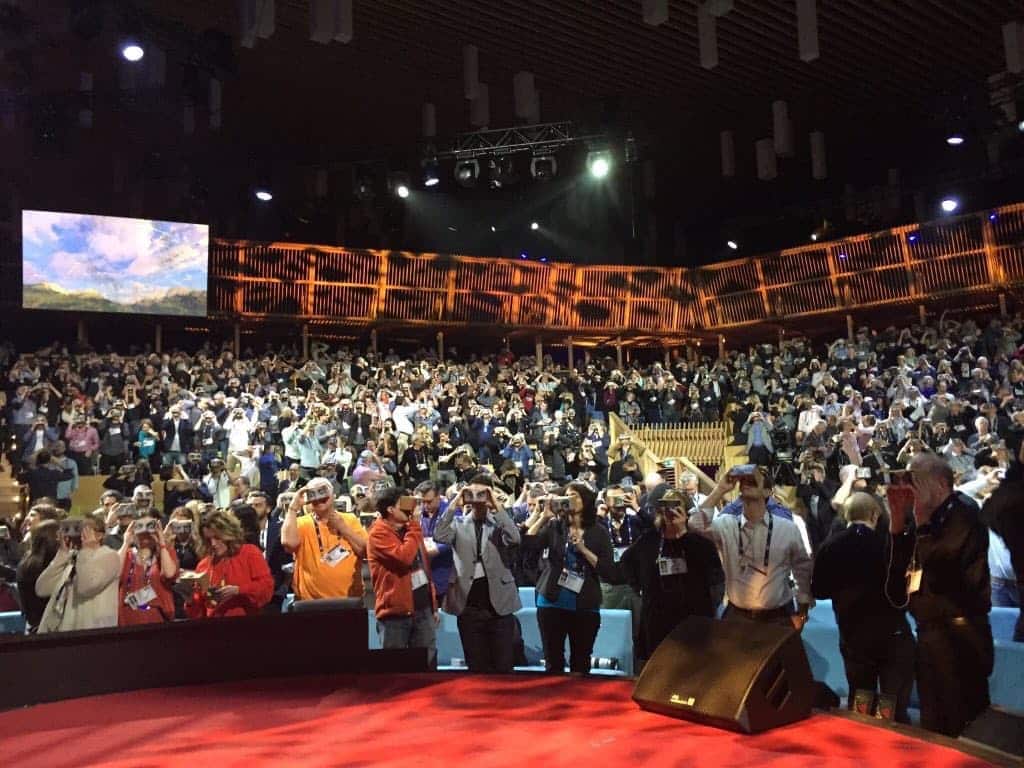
[{"x": 406, "y": 606}]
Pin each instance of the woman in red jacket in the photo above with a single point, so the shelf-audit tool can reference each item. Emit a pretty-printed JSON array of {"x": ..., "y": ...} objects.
[
  {"x": 148, "y": 571},
  {"x": 240, "y": 580}
]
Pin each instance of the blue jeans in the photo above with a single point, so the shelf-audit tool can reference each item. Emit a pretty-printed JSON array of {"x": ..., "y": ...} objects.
[{"x": 416, "y": 631}]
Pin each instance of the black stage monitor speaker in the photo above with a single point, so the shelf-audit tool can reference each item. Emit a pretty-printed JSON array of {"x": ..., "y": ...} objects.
[
  {"x": 739, "y": 675},
  {"x": 998, "y": 729}
]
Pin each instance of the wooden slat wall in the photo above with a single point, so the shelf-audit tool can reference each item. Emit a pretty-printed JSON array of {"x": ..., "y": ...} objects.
[{"x": 979, "y": 252}]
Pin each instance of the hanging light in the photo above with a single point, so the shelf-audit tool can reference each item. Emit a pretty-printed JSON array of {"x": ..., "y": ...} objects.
[
  {"x": 467, "y": 172},
  {"x": 544, "y": 167},
  {"x": 132, "y": 51},
  {"x": 599, "y": 164}
]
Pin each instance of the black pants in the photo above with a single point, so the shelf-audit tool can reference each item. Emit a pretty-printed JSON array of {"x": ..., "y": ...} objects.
[
  {"x": 882, "y": 664},
  {"x": 579, "y": 626},
  {"x": 488, "y": 640},
  {"x": 953, "y": 665}
]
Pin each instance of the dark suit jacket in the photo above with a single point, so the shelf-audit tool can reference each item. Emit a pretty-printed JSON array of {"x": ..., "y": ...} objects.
[
  {"x": 277, "y": 558},
  {"x": 185, "y": 434}
]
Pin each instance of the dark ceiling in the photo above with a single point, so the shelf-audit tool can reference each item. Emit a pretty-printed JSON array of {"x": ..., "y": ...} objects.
[{"x": 890, "y": 80}]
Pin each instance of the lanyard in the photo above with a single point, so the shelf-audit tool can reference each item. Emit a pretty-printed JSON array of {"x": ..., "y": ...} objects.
[
  {"x": 767, "y": 542},
  {"x": 319, "y": 540},
  {"x": 625, "y": 537}
]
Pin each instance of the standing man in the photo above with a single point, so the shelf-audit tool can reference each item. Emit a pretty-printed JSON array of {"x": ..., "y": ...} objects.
[
  {"x": 483, "y": 593},
  {"x": 66, "y": 488},
  {"x": 273, "y": 550},
  {"x": 328, "y": 546},
  {"x": 406, "y": 607},
  {"x": 874, "y": 636},
  {"x": 759, "y": 550},
  {"x": 432, "y": 506},
  {"x": 941, "y": 570},
  {"x": 177, "y": 434}
]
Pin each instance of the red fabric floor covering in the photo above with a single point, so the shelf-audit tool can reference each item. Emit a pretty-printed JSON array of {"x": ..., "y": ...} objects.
[{"x": 446, "y": 720}]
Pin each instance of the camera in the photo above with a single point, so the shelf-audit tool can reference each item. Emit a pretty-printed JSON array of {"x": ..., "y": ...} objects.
[
  {"x": 560, "y": 504},
  {"x": 863, "y": 473},
  {"x": 343, "y": 504},
  {"x": 5, "y": 533},
  {"x": 181, "y": 526},
  {"x": 318, "y": 492},
  {"x": 148, "y": 526},
  {"x": 72, "y": 529}
]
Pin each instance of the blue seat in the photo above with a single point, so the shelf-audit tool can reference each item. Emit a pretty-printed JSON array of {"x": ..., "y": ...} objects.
[
  {"x": 1003, "y": 620},
  {"x": 1006, "y": 684},
  {"x": 528, "y": 597},
  {"x": 12, "y": 623}
]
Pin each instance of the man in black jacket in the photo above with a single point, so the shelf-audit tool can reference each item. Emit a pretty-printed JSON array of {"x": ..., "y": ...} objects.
[
  {"x": 816, "y": 492},
  {"x": 874, "y": 636},
  {"x": 177, "y": 435},
  {"x": 42, "y": 479},
  {"x": 941, "y": 571},
  {"x": 1004, "y": 513},
  {"x": 273, "y": 550}
]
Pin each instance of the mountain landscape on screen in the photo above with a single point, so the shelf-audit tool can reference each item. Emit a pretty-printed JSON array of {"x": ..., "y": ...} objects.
[{"x": 84, "y": 263}]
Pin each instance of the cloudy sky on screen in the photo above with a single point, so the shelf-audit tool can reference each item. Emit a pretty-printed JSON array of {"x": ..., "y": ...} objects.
[{"x": 124, "y": 260}]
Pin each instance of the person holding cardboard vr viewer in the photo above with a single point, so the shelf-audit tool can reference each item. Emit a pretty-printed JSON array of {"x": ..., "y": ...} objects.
[
  {"x": 482, "y": 591},
  {"x": 405, "y": 600},
  {"x": 759, "y": 551},
  {"x": 328, "y": 545},
  {"x": 575, "y": 550},
  {"x": 674, "y": 572}
]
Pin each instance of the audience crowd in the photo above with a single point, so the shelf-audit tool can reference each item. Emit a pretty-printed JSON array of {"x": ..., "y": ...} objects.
[{"x": 421, "y": 485}]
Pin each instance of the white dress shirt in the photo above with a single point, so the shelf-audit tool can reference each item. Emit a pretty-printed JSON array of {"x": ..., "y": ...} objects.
[{"x": 748, "y": 583}]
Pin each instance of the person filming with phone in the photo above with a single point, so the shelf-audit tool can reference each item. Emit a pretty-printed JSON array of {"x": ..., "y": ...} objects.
[
  {"x": 148, "y": 570},
  {"x": 482, "y": 592},
  {"x": 939, "y": 568},
  {"x": 760, "y": 551}
]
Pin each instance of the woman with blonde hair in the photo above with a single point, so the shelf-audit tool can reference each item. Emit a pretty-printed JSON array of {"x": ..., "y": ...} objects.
[{"x": 240, "y": 580}]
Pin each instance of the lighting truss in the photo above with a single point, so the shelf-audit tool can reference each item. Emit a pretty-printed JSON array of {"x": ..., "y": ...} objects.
[{"x": 543, "y": 139}]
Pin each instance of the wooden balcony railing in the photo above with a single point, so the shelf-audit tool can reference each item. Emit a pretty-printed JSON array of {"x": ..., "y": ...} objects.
[{"x": 981, "y": 252}]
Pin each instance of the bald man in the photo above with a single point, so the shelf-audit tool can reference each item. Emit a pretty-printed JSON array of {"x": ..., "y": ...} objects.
[
  {"x": 940, "y": 569},
  {"x": 874, "y": 637}
]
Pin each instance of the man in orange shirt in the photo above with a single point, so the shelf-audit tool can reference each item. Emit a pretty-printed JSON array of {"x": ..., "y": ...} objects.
[
  {"x": 406, "y": 605},
  {"x": 328, "y": 547}
]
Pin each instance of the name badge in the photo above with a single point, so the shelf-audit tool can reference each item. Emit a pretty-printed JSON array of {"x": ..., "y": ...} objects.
[
  {"x": 544, "y": 554},
  {"x": 208, "y": 441},
  {"x": 335, "y": 555},
  {"x": 914, "y": 581},
  {"x": 671, "y": 566},
  {"x": 617, "y": 553},
  {"x": 419, "y": 579},
  {"x": 478, "y": 570},
  {"x": 140, "y": 597},
  {"x": 421, "y": 467},
  {"x": 571, "y": 581},
  {"x": 430, "y": 546}
]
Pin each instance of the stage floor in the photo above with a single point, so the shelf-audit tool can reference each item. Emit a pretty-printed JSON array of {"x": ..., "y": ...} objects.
[{"x": 425, "y": 720}]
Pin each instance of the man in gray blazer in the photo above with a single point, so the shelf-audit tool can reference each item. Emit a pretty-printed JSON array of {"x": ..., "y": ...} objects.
[{"x": 482, "y": 592}]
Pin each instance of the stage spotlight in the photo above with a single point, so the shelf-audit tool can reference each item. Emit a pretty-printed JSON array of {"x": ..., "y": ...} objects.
[
  {"x": 132, "y": 51},
  {"x": 431, "y": 177},
  {"x": 599, "y": 164},
  {"x": 534, "y": 226},
  {"x": 543, "y": 167},
  {"x": 955, "y": 139},
  {"x": 524, "y": 255},
  {"x": 912, "y": 237},
  {"x": 949, "y": 204},
  {"x": 399, "y": 184},
  {"x": 992, "y": 217},
  {"x": 493, "y": 228},
  {"x": 264, "y": 195},
  {"x": 467, "y": 172},
  {"x": 814, "y": 237},
  {"x": 1020, "y": 126},
  {"x": 733, "y": 245}
]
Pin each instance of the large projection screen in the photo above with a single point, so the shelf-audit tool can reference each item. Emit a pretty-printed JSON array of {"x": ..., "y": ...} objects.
[{"x": 83, "y": 263}]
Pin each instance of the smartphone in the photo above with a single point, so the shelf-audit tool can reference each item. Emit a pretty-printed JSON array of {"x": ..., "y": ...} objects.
[{"x": 863, "y": 473}]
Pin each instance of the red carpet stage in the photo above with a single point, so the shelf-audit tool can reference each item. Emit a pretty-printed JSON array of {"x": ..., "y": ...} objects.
[{"x": 424, "y": 720}]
